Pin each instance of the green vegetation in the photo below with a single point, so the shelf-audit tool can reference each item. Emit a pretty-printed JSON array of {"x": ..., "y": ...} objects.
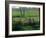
[{"x": 24, "y": 18}]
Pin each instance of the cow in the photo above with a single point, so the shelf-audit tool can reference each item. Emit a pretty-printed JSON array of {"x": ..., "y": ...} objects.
[{"x": 28, "y": 21}]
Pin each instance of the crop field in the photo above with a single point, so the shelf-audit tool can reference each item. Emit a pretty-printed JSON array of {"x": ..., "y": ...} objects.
[{"x": 24, "y": 18}]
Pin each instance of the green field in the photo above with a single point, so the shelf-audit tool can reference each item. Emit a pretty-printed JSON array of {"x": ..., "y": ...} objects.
[{"x": 25, "y": 19}]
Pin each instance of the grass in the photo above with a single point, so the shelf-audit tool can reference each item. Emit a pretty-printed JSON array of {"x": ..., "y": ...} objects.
[
  {"x": 28, "y": 13},
  {"x": 19, "y": 17}
]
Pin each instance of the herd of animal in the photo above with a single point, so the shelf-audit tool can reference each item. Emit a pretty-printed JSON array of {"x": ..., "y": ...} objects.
[{"x": 24, "y": 20}]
